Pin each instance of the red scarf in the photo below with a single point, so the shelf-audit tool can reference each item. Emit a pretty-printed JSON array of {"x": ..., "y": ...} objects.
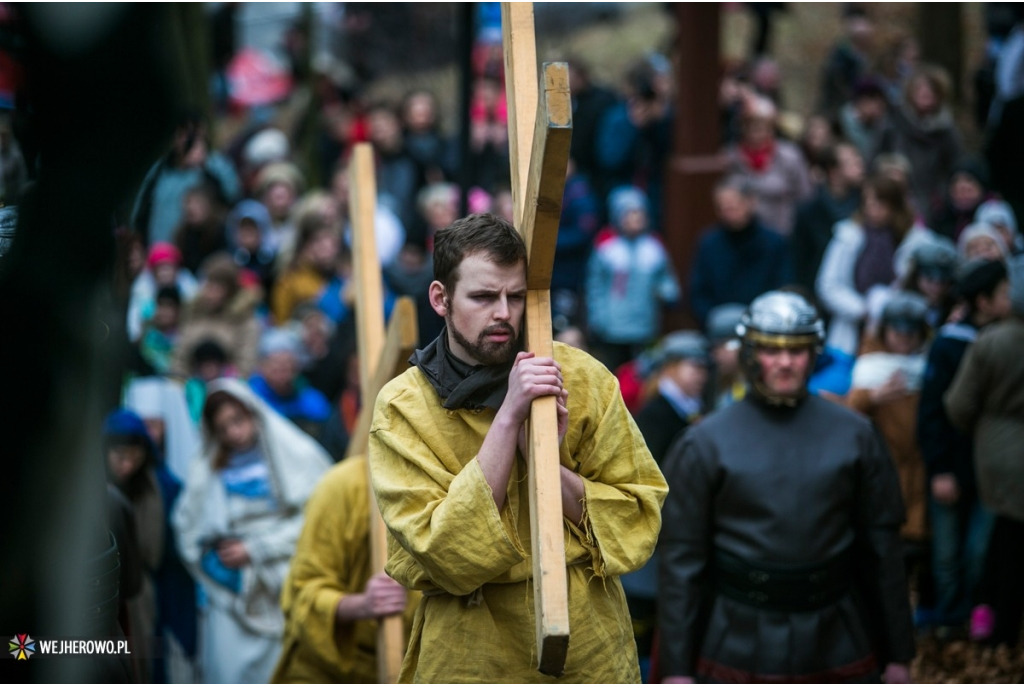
[{"x": 758, "y": 160}]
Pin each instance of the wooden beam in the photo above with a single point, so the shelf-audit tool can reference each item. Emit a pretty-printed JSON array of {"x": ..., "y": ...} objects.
[
  {"x": 540, "y": 130},
  {"x": 520, "y": 44},
  {"x": 549, "y": 159},
  {"x": 366, "y": 264},
  {"x": 378, "y": 354}
]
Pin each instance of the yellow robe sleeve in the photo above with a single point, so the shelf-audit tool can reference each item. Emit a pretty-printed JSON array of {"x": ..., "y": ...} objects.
[
  {"x": 434, "y": 498},
  {"x": 623, "y": 487}
]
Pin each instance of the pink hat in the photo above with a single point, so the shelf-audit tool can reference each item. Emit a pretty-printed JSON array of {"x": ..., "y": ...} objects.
[{"x": 163, "y": 252}]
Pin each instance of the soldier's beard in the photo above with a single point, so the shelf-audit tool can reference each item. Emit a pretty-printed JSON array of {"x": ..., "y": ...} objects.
[{"x": 483, "y": 350}]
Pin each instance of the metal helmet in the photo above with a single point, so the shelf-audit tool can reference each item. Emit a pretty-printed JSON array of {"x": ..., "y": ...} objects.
[{"x": 782, "y": 320}]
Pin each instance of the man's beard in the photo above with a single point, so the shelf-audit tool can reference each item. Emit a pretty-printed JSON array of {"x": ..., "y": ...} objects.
[{"x": 483, "y": 350}]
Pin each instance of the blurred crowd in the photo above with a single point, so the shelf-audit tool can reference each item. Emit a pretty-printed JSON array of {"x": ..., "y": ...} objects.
[{"x": 235, "y": 276}]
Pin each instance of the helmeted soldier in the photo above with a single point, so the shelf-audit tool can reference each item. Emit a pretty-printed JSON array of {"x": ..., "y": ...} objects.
[{"x": 781, "y": 556}]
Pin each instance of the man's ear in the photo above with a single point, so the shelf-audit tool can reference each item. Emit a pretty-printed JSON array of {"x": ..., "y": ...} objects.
[{"x": 438, "y": 298}]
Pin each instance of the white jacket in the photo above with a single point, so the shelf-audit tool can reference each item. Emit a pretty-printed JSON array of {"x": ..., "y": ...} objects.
[{"x": 835, "y": 288}]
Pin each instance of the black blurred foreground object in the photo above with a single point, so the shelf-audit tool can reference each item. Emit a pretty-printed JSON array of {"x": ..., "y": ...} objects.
[{"x": 102, "y": 93}]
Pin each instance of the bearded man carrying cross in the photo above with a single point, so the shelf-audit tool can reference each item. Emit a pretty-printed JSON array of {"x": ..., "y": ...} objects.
[{"x": 448, "y": 473}]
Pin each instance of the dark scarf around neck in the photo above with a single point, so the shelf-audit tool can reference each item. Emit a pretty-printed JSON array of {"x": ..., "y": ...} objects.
[{"x": 458, "y": 384}]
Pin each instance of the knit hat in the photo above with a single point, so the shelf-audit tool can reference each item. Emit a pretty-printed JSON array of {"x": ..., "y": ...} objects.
[
  {"x": 683, "y": 345},
  {"x": 162, "y": 253},
  {"x": 996, "y": 213},
  {"x": 126, "y": 427},
  {"x": 973, "y": 167},
  {"x": 905, "y": 311},
  {"x": 722, "y": 322},
  {"x": 624, "y": 200},
  {"x": 269, "y": 145},
  {"x": 279, "y": 340},
  {"x": 979, "y": 230},
  {"x": 280, "y": 172}
]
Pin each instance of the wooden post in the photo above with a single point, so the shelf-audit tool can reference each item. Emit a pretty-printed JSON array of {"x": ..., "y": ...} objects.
[
  {"x": 540, "y": 130},
  {"x": 381, "y": 357}
]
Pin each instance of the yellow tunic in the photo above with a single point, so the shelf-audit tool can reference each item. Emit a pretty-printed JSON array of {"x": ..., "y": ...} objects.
[
  {"x": 472, "y": 562},
  {"x": 332, "y": 559}
]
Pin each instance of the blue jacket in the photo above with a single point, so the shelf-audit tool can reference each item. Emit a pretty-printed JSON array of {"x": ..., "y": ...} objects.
[
  {"x": 627, "y": 282},
  {"x": 306, "y": 404},
  {"x": 737, "y": 267}
]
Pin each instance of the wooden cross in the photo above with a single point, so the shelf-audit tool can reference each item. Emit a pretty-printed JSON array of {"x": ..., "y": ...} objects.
[
  {"x": 539, "y": 133},
  {"x": 382, "y": 356}
]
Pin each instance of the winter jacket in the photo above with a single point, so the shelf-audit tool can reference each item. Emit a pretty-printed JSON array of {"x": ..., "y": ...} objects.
[
  {"x": 737, "y": 266},
  {"x": 987, "y": 397},
  {"x": 628, "y": 279},
  {"x": 812, "y": 231}
]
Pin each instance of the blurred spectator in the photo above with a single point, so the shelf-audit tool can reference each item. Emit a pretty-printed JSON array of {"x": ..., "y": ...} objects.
[
  {"x": 774, "y": 168},
  {"x": 987, "y": 399},
  {"x": 766, "y": 78},
  {"x": 398, "y": 176},
  {"x": 590, "y": 102},
  {"x": 966, "y": 191},
  {"x": 848, "y": 61},
  {"x": 921, "y": 127},
  {"x": 159, "y": 203},
  {"x": 816, "y": 139},
  {"x": 981, "y": 241},
  {"x": 201, "y": 232},
  {"x": 960, "y": 523},
  {"x": 898, "y": 63},
  {"x": 163, "y": 269},
  {"x": 161, "y": 405},
  {"x": 834, "y": 200},
  {"x": 160, "y": 332},
  {"x": 278, "y": 187},
  {"x": 999, "y": 215},
  {"x": 388, "y": 229},
  {"x": 738, "y": 258},
  {"x": 411, "y": 274},
  {"x": 682, "y": 361},
  {"x": 208, "y": 363},
  {"x": 262, "y": 148},
  {"x": 860, "y": 256},
  {"x": 238, "y": 520},
  {"x": 930, "y": 273},
  {"x": 437, "y": 206},
  {"x": 248, "y": 230},
  {"x": 424, "y": 140},
  {"x": 633, "y": 137},
  {"x": 280, "y": 384},
  {"x": 488, "y": 163},
  {"x": 1005, "y": 144},
  {"x": 316, "y": 252},
  {"x": 576, "y": 230},
  {"x": 728, "y": 383},
  {"x": 165, "y": 609},
  {"x": 863, "y": 119},
  {"x": 886, "y": 387},
  {"x": 224, "y": 312},
  {"x": 629, "y": 277}
]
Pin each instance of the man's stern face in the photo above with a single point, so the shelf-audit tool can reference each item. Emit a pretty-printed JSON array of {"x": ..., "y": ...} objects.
[{"x": 485, "y": 312}]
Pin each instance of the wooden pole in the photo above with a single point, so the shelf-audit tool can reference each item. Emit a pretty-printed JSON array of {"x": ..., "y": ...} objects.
[
  {"x": 539, "y": 138},
  {"x": 371, "y": 341}
]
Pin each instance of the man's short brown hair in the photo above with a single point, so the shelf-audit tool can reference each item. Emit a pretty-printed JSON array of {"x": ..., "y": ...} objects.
[{"x": 477, "y": 233}]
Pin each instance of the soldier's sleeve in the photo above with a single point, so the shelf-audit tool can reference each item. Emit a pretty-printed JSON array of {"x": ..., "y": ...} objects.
[
  {"x": 685, "y": 548},
  {"x": 879, "y": 515}
]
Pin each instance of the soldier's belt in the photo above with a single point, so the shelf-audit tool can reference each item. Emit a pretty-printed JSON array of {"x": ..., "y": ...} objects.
[{"x": 791, "y": 589}]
